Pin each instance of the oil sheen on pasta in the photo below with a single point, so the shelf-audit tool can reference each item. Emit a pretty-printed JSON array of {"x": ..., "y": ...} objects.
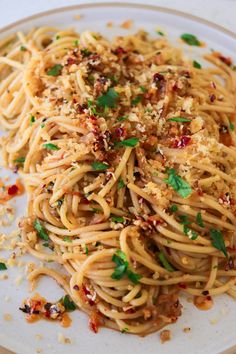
[{"x": 127, "y": 152}]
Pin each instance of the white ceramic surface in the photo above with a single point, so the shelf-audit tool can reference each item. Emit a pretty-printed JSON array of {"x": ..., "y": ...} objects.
[{"x": 204, "y": 337}]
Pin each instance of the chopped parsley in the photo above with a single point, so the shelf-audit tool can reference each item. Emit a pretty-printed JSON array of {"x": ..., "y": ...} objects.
[
  {"x": 55, "y": 70},
  {"x": 131, "y": 142},
  {"x": 218, "y": 241},
  {"x": 58, "y": 37},
  {"x": 3, "y": 266},
  {"x": 20, "y": 160},
  {"x": 136, "y": 100},
  {"x": 197, "y": 65},
  {"x": 109, "y": 99},
  {"x": 190, "y": 39},
  {"x": 184, "y": 220},
  {"x": 23, "y": 48},
  {"x": 165, "y": 262},
  {"x": 173, "y": 208},
  {"x": 143, "y": 89},
  {"x": 117, "y": 218},
  {"x": 177, "y": 183},
  {"x": 42, "y": 125},
  {"x": 92, "y": 106},
  {"x": 68, "y": 303},
  {"x": 179, "y": 119},
  {"x": 99, "y": 166},
  {"x": 125, "y": 329},
  {"x": 50, "y": 146},
  {"x": 121, "y": 184},
  {"x": 85, "y": 52},
  {"x": 42, "y": 233},
  {"x": 231, "y": 125},
  {"x": 121, "y": 119},
  {"x": 32, "y": 120},
  {"x": 67, "y": 239},
  {"x": 122, "y": 268},
  {"x": 160, "y": 33},
  {"x": 199, "y": 219},
  {"x": 76, "y": 42}
]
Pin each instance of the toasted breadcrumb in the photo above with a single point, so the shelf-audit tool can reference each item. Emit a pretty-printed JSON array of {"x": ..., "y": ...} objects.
[{"x": 165, "y": 335}]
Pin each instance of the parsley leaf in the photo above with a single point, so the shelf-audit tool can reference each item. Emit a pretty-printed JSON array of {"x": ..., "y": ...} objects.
[
  {"x": 55, "y": 70},
  {"x": 50, "y": 146},
  {"x": 190, "y": 39},
  {"x": 32, "y": 120},
  {"x": 76, "y": 42},
  {"x": 131, "y": 142},
  {"x": 136, "y": 100},
  {"x": 218, "y": 241},
  {"x": 160, "y": 33},
  {"x": 121, "y": 119},
  {"x": 173, "y": 208},
  {"x": 122, "y": 268},
  {"x": 3, "y": 266},
  {"x": 179, "y": 119},
  {"x": 165, "y": 262},
  {"x": 190, "y": 233},
  {"x": 99, "y": 166},
  {"x": 68, "y": 303},
  {"x": 143, "y": 89},
  {"x": 178, "y": 184},
  {"x": 197, "y": 65},
  {"x": 121, "y": 184},
  {"x": 231, "y": 125},
  {"x": 199, "y": 219},
  {"x": 85, "y": 52},
  {"x": 20, "y": 160},
  {"x": 40, "y": 230},
  {"x": 117, "y": 218},
  {"x": 109, "y": 99},
  {"x": 67, "y": 239}
]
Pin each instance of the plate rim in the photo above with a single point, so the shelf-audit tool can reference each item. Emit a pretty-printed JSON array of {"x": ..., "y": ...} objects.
[
  {"x": 162, "y": 9},
  {"x": 110, "y": 4}
]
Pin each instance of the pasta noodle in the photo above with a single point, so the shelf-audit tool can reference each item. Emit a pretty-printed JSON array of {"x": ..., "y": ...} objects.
[{"x": 127, "y": 151}]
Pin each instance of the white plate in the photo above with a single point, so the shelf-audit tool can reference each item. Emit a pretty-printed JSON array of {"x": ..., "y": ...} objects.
[{"x": 204, "y": 337}]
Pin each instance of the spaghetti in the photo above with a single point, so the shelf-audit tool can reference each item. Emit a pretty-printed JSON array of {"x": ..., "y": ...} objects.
[{"x": 127, "y": 152}]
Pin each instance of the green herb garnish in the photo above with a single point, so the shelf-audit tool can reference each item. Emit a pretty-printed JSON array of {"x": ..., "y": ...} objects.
[
  {"x": 160, "y": 33},
  {"x": 177, "y": 183},
  {"x": 190, "y": 233},
  {"x": 20, "y": 160},
  {"x": 121, "y": 184},
  {"x": 199, "y": 219},
  {"x": 173, "y": 208},
  {"x": 99, "y": 166},
  {"x": 67, "y": 239},
  {"x": 68, "y": 303},
  {"x": 179, "y": 119},
  {"x": 85, "y": 52},
  {"x": 165, "y": 262},
  {"x": 218, "y": 241},
  {"x": 143, "y": 89},
  {"x": 23, "y": 48},
  {"x": 231, "y": 125},
  {"x": 109, "y": 99},
  {"x": 117, "y": 218},
  {"x": 125, "y": 329},
  {"x": 42, "y": 233},
  {"x": 32, "y": 120},
  {"x": 55, "y": 70},
  {"x": 50, "y": 146},
  {"x": 131, "y": 142},
  {"x": 190, "y": 39},
  {"x": 121, "y": 119},
  {"x": 76, "y": 42},
  {"x": 197, "y": 65},
  {"x": 42, "y": 125},
  {"x": 121, "y": 269},
  {"x": 136, "y": 100},
  {"x": 3, "y": 266},
  {"x": 58, "y": 37}
]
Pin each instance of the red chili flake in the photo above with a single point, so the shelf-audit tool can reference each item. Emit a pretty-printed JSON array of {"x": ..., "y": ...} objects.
[
  {"x": 130, "y": 311},
  {"x": 12, "y": 190},
  {"x": 84, "y": 200},
  {"x": 81, "y": 108},
  {"x": 76, "y": 287},
  {"x": 182, "y": 285},
  {"x": 208, "y": 298},
  {"x": 212, "y": 97},
  {"x": 120, "y": 51},
  {"x": 226, "y": 200},
  {"x": 158, "y": 77},
  {"x": 88, "y": 294},
  {"x": 94, "y": 322},
  {"x": 119, "y": 132},
  {"x": 71, "y": 61},
  {"x": 183, "y": 142},
  {"x": 226, "y": 60}
]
